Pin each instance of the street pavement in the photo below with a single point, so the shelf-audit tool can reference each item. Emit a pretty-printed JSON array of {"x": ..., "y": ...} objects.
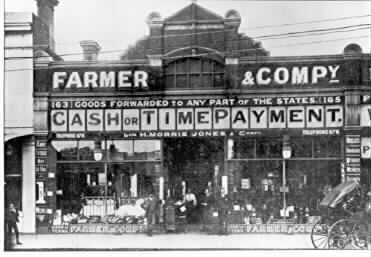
[{"x": 191, "y": 241}]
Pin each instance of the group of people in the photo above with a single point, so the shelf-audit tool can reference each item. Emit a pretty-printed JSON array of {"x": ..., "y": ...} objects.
[{"x": 195, "y": 211}]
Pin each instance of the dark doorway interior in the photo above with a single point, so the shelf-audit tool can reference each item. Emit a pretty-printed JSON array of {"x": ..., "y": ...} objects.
[{"x": 192, "y": 160}]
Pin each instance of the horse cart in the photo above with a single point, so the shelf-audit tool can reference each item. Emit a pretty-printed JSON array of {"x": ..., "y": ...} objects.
[{"x": 345, "y": 218}]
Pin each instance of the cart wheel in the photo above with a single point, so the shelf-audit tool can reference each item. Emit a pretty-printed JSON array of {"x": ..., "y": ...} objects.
[
  {"x": 340, "y": 234},
  {"x": 319, "y": 235},
  {"x": 360, "y": 237}
]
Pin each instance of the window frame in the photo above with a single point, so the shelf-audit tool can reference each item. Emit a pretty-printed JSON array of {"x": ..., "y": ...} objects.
[{"x": 209, "y": 68}]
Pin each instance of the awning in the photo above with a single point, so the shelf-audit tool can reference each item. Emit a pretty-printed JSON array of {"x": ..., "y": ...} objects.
[
  {"x": 338, "y": 193},
  {"x": 11, "y": 133}
]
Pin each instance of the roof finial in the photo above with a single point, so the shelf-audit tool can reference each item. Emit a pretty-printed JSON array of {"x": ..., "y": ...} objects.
[{"x": 194, "y": 1}]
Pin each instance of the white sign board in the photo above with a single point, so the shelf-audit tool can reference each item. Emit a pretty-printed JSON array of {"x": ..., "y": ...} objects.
[
  {"x": 366, "y": 147},
  {"x": 366, "y": 116}
]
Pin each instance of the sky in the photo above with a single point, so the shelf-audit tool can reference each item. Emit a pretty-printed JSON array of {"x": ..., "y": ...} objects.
[{"x": 116, "y": 24}]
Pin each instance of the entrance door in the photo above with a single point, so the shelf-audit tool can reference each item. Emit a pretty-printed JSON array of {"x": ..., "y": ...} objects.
[{"x": 193, "y": 161}]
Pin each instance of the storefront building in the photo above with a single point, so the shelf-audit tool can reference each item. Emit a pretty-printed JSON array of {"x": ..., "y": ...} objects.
[
  {"x": 25, "y": 36},
  {"x": 196, "y": 110}
]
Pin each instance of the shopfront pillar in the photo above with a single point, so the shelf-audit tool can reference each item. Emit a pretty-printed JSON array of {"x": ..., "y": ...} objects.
[
  {"x": 28, "y": 186},
  {"x": 352, "y": 135}
]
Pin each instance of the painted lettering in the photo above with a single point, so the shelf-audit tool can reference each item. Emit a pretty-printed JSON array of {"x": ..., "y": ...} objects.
[
  {"x": 58, "y": 79},
  {"x": 317, "y": 73},
  {"x": 263, "y": 80},
  {"x": 299, "y": 75}
]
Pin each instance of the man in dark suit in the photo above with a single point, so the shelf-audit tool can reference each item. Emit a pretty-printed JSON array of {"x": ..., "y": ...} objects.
[
  {"x": 12, "y": 217},
  {"x": 224, "y": 207},
  {"x": 151, "y": 208}
]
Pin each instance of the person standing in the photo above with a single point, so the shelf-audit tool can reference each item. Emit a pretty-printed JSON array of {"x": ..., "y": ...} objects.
[
  {"x": 12, "y": 217},
  {"x": 224, "y": 206},
  {"x": 151, "y": 206},
  {"x": 206, "y": 203},
  {"x": 190, "y": 202}
]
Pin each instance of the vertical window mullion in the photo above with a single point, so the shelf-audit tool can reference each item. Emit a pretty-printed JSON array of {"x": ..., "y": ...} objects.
[
  {"x": 212, "y": 74},
  {"x": 78, "y": 152},
  {"x": 175, "y": 73},
  {"x": 254, "y": 148},
  {"x": 188, "y": 84},
  {"x": 201, "y": 77}
]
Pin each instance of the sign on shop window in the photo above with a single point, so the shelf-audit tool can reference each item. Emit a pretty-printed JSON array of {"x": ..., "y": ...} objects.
[
  {"x": 366, "y": 148},
  {"x": 40, "y": 192},
  {"x": 366, "y": 116}
]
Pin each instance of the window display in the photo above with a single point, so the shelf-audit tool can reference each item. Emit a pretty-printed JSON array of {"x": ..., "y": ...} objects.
[
  {"x": 87, "y": 189},
  {"x": 256, "y": 166}
]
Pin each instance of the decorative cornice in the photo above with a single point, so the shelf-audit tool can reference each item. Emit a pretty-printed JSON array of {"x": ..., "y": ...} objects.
[{"x": 302, "y": 58}]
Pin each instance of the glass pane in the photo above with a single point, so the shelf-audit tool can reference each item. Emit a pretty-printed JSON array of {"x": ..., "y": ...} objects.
[
  {"x": 268, "y": 148},
  {"x": 334, "y": 150},
  {"x": 181, "y": 66},
  {"x": 147, "y": 149},
  {"x": 206, "y": 66},
  {"x": 170, "y": 69},
  {"x": 66, "y": 150},
  {"x": 206, "y": 81},
  {"x": 218, "y": 68},
  {"x": 195, "y": 81},
  {"x": 320, "y": 147},
  {"x": 121, "y": 150},
  {"x": 169, "y": 82},
  {"x": 122, "y": 179},
  {"x": 147, "y": 173},
  {"x": 301, "y": 147},
  {"x": 218, "y": 80},
  {"x": 195, "y": 65},
  {"x": 86, "y": 150},
  {"x": 181, "y": 81},
  {"x": 243, "y": 149}
]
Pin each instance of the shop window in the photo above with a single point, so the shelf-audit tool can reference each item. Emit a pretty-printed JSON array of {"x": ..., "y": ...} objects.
[
  {"x": 194, "y": 73},
  {"x": 85, "y": 150},
  {"x": 66, "y": 150},
  {"x": 334, "y": 147},
  {"x": 268, "y": 148},
  {"x": 121, "y": 150},
  {"x": 124, "y": 150},
  {"x": 327, "y": 147},
  {"x": 308, "y": 180},
  {"x": 243, "y": 149},
  {"x": 147, "y": 149},
  {"x": 301, "y": 147}
]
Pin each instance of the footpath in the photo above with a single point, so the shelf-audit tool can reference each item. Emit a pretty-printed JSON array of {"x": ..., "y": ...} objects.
[{"x": 135, "y": 242}]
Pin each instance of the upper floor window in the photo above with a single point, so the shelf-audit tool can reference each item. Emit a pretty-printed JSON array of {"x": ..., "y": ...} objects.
[{"x": 194, "y": 73}]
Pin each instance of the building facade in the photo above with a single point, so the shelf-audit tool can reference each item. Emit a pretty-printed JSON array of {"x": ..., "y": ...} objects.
[
  {"x": 26, "y": 37},
  {"x": 197, "y": 105}
]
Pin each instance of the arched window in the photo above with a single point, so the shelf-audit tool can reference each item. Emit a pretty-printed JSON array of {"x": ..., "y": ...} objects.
[{"x": 195, "y": 73}]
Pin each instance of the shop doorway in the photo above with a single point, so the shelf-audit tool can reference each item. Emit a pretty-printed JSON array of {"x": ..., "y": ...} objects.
[{"x": 191, "y": 164}]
